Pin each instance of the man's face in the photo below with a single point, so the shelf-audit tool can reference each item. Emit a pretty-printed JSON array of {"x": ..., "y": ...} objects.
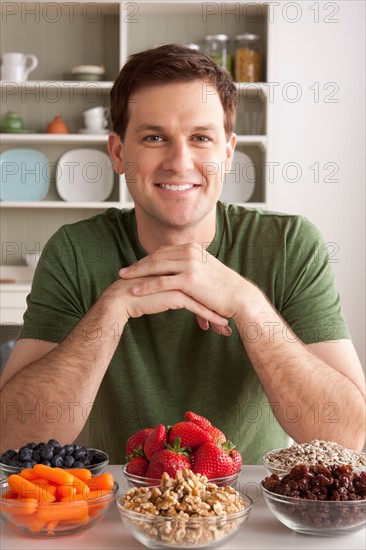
[{"x": 175, "y": 154}]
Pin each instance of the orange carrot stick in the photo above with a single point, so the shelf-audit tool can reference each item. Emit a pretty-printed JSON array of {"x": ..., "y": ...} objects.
[
  {"x": 67, "y": 491},
  {"x": 27, "y": 489},
  {"x": 45, "y": 484},
  {"x": 80, "y": 486},
  {"x": 28, "y": 474},
  {"x": 81, "y": 473},
  {"x": 55, "y": 475},
  {"x": 103, "y": 481},
  {"x": 58, "y": 511},
  {"x": 31, "y": 522},
  {"x": 51, "y": 525},
  {"x": 26, "y": 506}
]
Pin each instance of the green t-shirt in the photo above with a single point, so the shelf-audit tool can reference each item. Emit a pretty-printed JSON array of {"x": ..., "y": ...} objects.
[{"x": 165, "y": 364}]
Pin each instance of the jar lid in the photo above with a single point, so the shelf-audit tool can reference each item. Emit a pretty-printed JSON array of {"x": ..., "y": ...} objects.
[
  {"x": 220, "y": 37},
  {"x": 88, "y": 69},
  {"x": 247, "y": 36}
]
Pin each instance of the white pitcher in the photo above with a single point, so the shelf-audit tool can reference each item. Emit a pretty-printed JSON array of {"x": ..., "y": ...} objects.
[{"x": 14, "y": 66}]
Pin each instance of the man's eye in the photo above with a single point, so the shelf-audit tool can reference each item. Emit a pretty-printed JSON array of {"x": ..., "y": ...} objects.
[
  {"x": 202, "y": 139},
  {"x": 153, "y": 139}
]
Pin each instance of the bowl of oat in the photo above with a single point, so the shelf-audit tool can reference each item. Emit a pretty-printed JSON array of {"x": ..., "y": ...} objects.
[
  {"x": 319, "y": 500},
  {"x": 187, "y": 511},
  {"x": 280, "y": 461}
]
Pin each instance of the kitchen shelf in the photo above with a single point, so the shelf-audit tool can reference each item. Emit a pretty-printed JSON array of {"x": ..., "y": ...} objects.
[
  {"x": 75, "y": 85},
  {"x": 121, "y": 29},
  {"x": 59, "y": 204},
  {"x": 53, "y": 138}
]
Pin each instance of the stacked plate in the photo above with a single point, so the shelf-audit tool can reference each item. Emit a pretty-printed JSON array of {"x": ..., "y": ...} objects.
[
  {"x": 24, "y": 175},
  {"x": 84, "y": 175}
]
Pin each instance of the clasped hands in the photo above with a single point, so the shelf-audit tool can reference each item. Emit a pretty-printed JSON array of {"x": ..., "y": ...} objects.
[{"x": 184, "y": 276}]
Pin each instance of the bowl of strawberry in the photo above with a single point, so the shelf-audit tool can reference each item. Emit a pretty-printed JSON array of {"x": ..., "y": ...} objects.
[{"x": 193, "y": 444}]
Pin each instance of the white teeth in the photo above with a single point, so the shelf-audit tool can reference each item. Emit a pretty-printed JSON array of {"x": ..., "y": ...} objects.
[{"x": 176, "y": 187}]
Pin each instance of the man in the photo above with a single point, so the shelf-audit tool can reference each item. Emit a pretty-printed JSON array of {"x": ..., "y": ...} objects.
[{"x": 185, "y": 303}]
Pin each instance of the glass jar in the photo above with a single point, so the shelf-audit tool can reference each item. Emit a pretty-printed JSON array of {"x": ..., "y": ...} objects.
[
  {"x": 217, "y": 47},
  {"x": 248, "y": 58}
]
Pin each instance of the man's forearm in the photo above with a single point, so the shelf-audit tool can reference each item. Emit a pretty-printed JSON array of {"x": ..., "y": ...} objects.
[
  {"x": 309, "y": 398},
  {"x": 53, "y": 396}
]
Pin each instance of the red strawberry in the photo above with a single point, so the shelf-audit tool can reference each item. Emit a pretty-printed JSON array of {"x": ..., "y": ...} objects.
[
  {"x": 156, "y": 441},
  {"x": 201, "y": 421},
  {"x": 214, "y": 461},
  {"x": 137, "y": 440},
  {"x": 205, "y": 424},
  {"x": 190, "y": 434},
  {"x": 217, "y": 435},
  {"x": 170, "y": 460},
  {"x": 138, "y": 466},
  {"x": 237, "y": 460}
]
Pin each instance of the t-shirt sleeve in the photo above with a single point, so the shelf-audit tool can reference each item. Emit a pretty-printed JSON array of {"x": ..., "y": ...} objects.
[
  {"x": 311, "y": 304},
  {"x": 54, "y": 305}
]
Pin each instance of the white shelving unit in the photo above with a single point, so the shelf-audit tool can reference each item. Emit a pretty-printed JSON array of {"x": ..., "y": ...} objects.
[{"x": 107, "y": 35}]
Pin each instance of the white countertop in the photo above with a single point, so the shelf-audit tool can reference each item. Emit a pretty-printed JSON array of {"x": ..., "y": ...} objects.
[{"x": 262, "y": 530}]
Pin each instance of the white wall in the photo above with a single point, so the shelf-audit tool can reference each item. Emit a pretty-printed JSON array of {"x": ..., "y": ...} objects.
[{"x": 315, "y": 130}]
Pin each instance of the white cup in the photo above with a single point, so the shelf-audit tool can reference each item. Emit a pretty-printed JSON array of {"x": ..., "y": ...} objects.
[
  {"x": 96, "y": 118},
  {"x": 97, "y": 111},
  {"x": 95, "y": 123},
  {"x": 14, "y": 66}
]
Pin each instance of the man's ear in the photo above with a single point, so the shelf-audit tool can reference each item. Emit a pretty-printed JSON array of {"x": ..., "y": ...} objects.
[
  {"x": 115, "y": 148},
  {"x": 230, "y": 147}
]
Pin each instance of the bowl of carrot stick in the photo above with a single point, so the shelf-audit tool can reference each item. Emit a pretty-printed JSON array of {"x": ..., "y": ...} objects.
[{"x": 53, "y": 502}]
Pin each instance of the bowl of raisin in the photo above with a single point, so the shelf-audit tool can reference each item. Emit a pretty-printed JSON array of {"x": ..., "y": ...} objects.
[
  {"x": 318, "y": 500},
  {"x": 52, "y": 454}
]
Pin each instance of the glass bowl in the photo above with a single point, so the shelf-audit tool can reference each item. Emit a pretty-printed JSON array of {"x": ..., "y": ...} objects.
[
  {"x": 316, "y": 517},
  {"x": 179, "y": 532},
  {"x": 96, "y": 469},
  {"x": 77, "y": 516},
  {"x": 139, "y": 481},
  {"x": 272, "y": 467}
]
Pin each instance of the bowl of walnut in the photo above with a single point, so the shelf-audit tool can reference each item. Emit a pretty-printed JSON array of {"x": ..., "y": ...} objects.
[
  {"x": 318, "y": 500},
  {"x": 187, "y": 511}
]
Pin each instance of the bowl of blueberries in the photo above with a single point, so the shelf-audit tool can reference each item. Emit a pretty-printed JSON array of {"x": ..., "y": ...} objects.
[{"x": 52, "y": 454}]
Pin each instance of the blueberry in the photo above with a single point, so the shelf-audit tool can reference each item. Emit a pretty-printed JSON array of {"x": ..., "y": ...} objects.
[
  {"x": 37, "y": 456},
  {"x": 10, "y": 453},
  {"x": 16, "y": 463},
  {"x": 31, "y": 445},
  {"x": 98, "y": 457},
  {"x": 57, "y": 461},
  {"x": 80, "y": 453},
  {"x": 6, "y": 460},
  {"x": 78, "y": 464},
  {"x": 27, "y": 465},
  {"x": 25, "y": 454},
  {"x": 47, "y": 453},
  {"x": 68, "y": 461},
  {"x": 76, "y": 446},
  {"x": 59, "y": 451},
  {"x": 46, "y": 463},
  {"x": 87, "y": 461},
  {"x": 53, "y": 443},
  {"x": 69, "y": 449}
]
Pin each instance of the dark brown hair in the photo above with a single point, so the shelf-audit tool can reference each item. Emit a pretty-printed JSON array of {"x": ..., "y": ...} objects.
[{"x": 164, "y": 64}]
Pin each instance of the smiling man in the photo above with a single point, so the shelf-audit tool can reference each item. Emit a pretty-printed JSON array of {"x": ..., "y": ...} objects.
[{"x": 174, "y": 312}]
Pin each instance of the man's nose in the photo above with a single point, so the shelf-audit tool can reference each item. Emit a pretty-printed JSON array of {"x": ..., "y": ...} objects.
[{"x": 179, "y": 158}]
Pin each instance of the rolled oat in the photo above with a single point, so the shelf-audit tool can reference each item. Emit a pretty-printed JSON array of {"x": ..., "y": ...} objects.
[{"x": 328, "y": 452}]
